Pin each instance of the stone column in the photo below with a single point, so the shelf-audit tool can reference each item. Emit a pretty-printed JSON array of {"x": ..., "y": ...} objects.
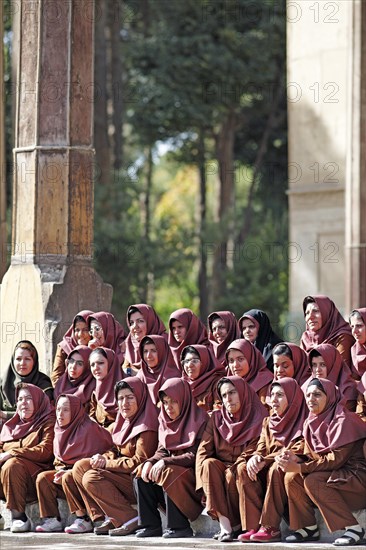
[
  {"x": 3, "y": 231},
  {"x": 51, "y": 276},
  {"x": 356, "y": 173}
]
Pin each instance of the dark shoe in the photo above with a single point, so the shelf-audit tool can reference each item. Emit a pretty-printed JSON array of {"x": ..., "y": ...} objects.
[
  {"x": 351, "y": 537},
  {"x": 104, "y": 529},
  {"x": 149, "y": 532},
  {"x": 178, "y": 533},
  {"x": 124, "y": 530},
  {"x": 226, "y": 537},
  {"x": 216, "y": 535},
  {"x": 304, "y": 535}
]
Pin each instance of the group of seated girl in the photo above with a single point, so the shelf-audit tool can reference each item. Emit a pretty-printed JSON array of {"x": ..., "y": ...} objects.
[{"x": 222, "y": 418}]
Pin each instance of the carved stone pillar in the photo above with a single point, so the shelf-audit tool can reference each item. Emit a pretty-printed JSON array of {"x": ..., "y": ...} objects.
[{"x": 51, "y": 276}]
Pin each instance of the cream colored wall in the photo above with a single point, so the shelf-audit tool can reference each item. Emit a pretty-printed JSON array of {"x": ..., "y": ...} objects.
[{"x": 318, "y": 49}]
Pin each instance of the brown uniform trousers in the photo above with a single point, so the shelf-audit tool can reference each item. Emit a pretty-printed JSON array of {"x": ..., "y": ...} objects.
[{"x": 109, "y": 492}]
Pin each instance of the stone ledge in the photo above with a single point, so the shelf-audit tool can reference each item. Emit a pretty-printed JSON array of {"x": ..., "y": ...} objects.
[{"x": 203, "y": 527}]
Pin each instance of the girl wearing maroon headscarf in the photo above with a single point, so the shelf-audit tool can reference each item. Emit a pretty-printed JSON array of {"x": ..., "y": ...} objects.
[
  {"x": 333, "y": 474},
  {"x": 141, "y": 320},
  {"x": 223, "y": 329},
  {"x": 157, "y": 364},
  {"x": 168, "y": 477},
  {"x": 245, "y": 360},
  {"x": 357, "y": 321},
  {"x": 260, "y": 483},
  {"x": 105, "y": 480},
  {"x": 256, "y": 327},
  {"x": 290, "y": 361},
  {"x": 361, "y": 399},
  {"x": 78, "y": 379},
  {"x": 76, "y": 436},
  {"x": 185, "y": 328},
  {"x": 202, "y": 371},
  {"x": 105, "y": 368},
  {"x": 326, "y": 362},
  {"x": 325, "y": 325},
  {"x": 76, "y": 335},
  {"x": 230, "y": 438},
  {"x": 107, "y": 332},
  {"x": 25, "y": 450}
]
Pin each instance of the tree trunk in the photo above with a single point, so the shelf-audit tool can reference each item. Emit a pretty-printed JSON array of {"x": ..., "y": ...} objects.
[
  {"x": 101, "y": 141},
  {"x": 202, "y": 273},
  {"x": 116, "y": 86},
  {"x": 147, "y": 276},
  {"x": 225, "y": 156},
  {"x": 3, "y": 229}
]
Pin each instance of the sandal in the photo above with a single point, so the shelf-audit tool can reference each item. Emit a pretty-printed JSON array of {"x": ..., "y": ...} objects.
[
  {"x": 226, "y": 537},
  {"x": 216, "y": 535},
  {"x": 351, "y": 538},
  {"x": 304, "y": 535}
]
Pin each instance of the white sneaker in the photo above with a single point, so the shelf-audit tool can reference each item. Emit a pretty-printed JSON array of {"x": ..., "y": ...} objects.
[
  {"x": 50, "y": 525},
  {"x": 20, "y": 526},
  {"x": 80, "y": 525}
]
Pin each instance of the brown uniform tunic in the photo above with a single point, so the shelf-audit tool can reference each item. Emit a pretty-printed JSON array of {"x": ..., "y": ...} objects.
[
  {"x": 335, "y": 482},
  {"x": 30, "y": 456},
  {"x": 216, "y": 465},
  {"x": 59, "y": 365},
  {"x": 98, "y": 412},
  {"x": 109, "y": 492}
]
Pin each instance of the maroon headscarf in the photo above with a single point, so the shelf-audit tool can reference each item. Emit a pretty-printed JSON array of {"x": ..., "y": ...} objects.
[
  {"x": 104, "y": 389},
  {"x": 82, "y": 437},
  {"x": 182, "y": 432},
  {"x": 289, "y": 426},
  {"x": 196, "y": 332},
  {"x": 114, "y": 334},
  {"x": 333, "y": 324},
  {"x": 247, "y": 423},
  {"x": 233, "y": 332},
  {"x": 15, "y": 428},
  {"x": 259, "y": 375},
  {"x": 337, "y": 371},
  {"x": 165, "y": 369},
  {"x": 145, "y": 419},
  {"x": 336, "y": 426},
  {"x": 300, "y": 361},
  {"x": 211, "y": 370},
  {"x": 154, "y": 325},
  {"x": 84, "y": 386},
  {"x": 69, "y": 342},
  {"x": 358, "y": 351}
]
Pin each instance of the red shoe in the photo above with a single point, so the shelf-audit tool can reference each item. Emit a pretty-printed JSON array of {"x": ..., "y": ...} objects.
[
  {"x": 267, "y": 534},
  {"x": 245, "y": 537}
]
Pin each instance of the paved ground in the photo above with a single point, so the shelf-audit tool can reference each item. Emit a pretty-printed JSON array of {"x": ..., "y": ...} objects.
[{"x": 61, "y": 541}]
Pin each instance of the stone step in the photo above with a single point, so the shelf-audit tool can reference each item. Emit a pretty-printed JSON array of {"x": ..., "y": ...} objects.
[{"x": 204, "y": 527}]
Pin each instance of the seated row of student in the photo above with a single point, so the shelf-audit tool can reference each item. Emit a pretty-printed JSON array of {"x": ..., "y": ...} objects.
[
  {"x": 90, "y": 329},
  {"x": 23, "y": 367}
]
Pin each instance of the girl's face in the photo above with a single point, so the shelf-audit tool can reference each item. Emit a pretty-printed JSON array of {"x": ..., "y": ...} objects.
[
  {"x": 179, "y": 331},
  {"x": 171, "y": 407},
  {"x": 249, "y": 330},
  {"x": 75, "y": 366},
  {"x": 127, "y": 403},
  {"x": 150, "y": 355},
  {"x": 219, "y": 330},
  {"x": 237, "y": 363},
  {"x": 25, "y": 405},
  {"x": 23, "y": 361},
  {"x": 192, "y": 366},
  {"x": 316, "y": 400},
  {"x": 358, "y": 328},
  {"x": 313, "y": 317},
  {"x": 138, "y": 326},
  {"x": 283, "y": 367},
  {"x": 318, "y": 367},
  {"x": 63, "y": 411},
  {"x": 98, "y": 366},
  {"x": 279, "y": 402},
  {"x": 97, "y": 334},
  {"x": 81, "y": 332},
  {"x": 230, "y": 398}
]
